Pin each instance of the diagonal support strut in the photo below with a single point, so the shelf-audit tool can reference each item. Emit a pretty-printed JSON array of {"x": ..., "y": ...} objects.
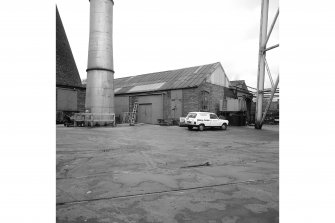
[
  {"x": 272, "y": 25},
  {"x": 270, "y": 100},
  {"x": 270, "y": 48},
  {"x": 268, "y": 70}
]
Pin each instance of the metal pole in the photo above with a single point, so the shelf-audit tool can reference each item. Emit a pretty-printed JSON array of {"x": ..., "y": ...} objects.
[
  {"x": 261, "y": 64},
  {"x": 270, "y": 100},
  {"x": 272, "y": 25},
  {"x": 271, "y": 47}
]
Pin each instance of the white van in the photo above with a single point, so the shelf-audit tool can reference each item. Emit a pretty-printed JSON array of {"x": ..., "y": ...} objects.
[{"x": 202, "y": 120}]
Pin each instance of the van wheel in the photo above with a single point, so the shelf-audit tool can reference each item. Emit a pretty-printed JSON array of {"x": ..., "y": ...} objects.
[
  {"x": 190, "y": 127},
  {"x": 224, "y": 127},
  {"x": 201, "y": 127}
]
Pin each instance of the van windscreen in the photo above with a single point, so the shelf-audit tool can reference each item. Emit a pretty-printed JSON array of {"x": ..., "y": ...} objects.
[{"x": 192, "y": 115}]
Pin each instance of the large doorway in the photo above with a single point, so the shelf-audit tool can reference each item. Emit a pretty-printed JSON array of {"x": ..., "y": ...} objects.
[
  {"x": 145, "y": 113},
  {"x": 150, "y": 109}
]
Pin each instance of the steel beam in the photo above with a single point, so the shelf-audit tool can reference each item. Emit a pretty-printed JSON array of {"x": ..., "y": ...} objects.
[
  {"x": 270, "y": 100},
  {"x": 268, "y": 70},
  {"x": 271, "y": 47},
  {"x": 272, "y": 25},
  {"x": 252, "y": 87},
  {"x": 261, "y": 64}
]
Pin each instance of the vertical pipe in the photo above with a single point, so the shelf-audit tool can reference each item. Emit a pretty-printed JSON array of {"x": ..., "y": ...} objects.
[
  {"x": 261, "y": 64},
  {"x": 100, "y": 68}
]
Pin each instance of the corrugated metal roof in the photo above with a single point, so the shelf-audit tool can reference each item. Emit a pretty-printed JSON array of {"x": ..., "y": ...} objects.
[
  {"x": 239, "y": 83},
  {"x": 165, "y": 80},
  {"x": 147, "y": 87}
]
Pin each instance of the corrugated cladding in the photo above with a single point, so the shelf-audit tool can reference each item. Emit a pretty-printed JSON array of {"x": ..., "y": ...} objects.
[{"x": 165, "y": 80}]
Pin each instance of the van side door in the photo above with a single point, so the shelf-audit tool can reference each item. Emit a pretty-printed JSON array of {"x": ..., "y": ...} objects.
[
  {"x": 206, "y": 119},
  {"x": 214, "y": 120}
]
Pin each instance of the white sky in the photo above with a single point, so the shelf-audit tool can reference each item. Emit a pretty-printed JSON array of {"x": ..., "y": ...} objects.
[{"x": 152, "y": 35}]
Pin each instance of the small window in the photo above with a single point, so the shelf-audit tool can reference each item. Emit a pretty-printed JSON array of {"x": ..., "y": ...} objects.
[
  {"x": 204, "y": 101},
  {"x": 213, "y": 116}
]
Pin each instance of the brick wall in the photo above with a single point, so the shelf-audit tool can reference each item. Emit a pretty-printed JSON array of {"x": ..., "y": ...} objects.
[
  {"x": 167, "y": 106},
  {"x": 216, "y": 93},
  {"x": 81, "y": 95},
  {"x": 192, "y": 98}
]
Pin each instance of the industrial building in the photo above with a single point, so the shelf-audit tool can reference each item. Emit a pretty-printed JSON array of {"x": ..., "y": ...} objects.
[
  {"x": 70, "y": 94},
  {"x": 164, "y": 97},
  {"x": 239, "y": 116}
]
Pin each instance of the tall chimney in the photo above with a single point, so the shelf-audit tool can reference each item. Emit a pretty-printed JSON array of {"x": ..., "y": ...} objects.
[{"x": 100, "y": 68}]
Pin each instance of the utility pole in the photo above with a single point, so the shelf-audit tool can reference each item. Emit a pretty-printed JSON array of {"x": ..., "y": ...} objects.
[{"x": 263, "y": 39}]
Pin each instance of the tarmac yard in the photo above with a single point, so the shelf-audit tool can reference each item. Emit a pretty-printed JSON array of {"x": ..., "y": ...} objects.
[{"x": 149, "y": 173}]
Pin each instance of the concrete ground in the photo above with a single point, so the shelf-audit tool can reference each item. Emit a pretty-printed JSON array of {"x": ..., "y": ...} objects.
[{"x": 148, "y": 173}]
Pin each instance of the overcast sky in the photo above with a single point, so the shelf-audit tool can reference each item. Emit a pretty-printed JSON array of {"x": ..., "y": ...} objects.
[{"x": 157, "y": 35}]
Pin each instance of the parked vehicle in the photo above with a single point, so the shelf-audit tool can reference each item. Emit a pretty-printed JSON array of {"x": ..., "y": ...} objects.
[
  {"x": 203, "y": 120},
  {"x": 276, "y": 120},
  {"x": 182, "y": 122},
  {"x": 68, "y": 121}
]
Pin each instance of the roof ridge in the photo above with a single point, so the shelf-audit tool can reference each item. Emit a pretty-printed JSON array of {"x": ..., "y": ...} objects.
[
  {"x": 171, "y": 79},
  {"x": 167, "y": 70}
]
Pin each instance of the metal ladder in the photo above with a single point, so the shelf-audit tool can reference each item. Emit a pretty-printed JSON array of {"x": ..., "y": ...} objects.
[{"x": 133, "y": 114}]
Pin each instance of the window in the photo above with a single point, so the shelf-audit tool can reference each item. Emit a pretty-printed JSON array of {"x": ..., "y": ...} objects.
[
  {"x": 191, "y": 115},
  {"x": 213, "y": 116},
  {"x": 204, "y": 100}
]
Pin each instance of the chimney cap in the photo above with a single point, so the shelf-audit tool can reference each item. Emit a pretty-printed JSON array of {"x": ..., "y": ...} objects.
[{"x": 110, "y": 0}]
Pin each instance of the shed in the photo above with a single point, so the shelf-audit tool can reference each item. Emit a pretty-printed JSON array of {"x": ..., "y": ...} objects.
[{"x": 171, "y": 94}]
